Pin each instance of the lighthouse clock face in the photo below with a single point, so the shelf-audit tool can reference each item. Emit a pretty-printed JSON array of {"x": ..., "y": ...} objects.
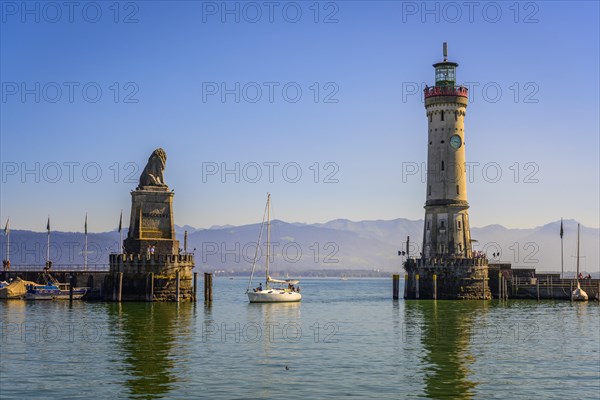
[{"x": 455, "y": 142}]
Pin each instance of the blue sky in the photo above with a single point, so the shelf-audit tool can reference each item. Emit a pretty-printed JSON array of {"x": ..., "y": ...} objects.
[{"x": 355, "y": 128}]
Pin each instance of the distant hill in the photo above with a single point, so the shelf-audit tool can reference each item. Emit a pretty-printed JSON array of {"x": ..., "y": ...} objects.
[{"x": 336, "y": 245}]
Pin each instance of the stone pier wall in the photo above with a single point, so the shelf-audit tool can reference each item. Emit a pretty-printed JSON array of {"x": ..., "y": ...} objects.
[
  {"x": 150, "y": 277},
  {"x": 457, "y": 279}
]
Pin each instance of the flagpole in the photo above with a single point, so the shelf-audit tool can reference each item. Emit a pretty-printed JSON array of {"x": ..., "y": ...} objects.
[
  {"x": 562, "y": 272},
  {"x": 121, "y": 233},
  {"x": 85, "y": 258},
  {"x": 48, "y": 246},
  {"x": 8, "y": 240}
]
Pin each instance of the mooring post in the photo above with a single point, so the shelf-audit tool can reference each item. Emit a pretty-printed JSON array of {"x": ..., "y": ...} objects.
[
  {"x": 537, "y": 284},
  {"x": 499, "y": 285},
  {"x": 195, "y": 285},
  {"x": 395, "y": 286},
  {"x": 150, "y": 286},
  {"x": 208, "y": 287},
  {"x": 71, "y": 284},
  {"x": 120, "y": 287},
  {"x": 434, "y": 286},
  {"x": 177, "y": 286},
  {"x": 571, "y": 292},
  {"x": 483, "y": 284},
  {"x": 505, "y": 289},
  {"x": 405, "y": 285},
  {"x": 417, "y": 286},
  {"x": 114, "y": 287}
]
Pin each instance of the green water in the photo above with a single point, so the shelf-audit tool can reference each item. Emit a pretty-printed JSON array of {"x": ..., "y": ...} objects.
[{"x": 346, "y": 339}]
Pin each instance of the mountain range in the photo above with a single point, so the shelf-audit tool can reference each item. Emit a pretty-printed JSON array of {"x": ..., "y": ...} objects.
[{"x": 338, "y": 246}]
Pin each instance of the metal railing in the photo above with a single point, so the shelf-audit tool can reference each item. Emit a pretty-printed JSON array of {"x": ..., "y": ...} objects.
[
  {"x": 60, "y": 268},
  {"x": 446, "y": 91}
]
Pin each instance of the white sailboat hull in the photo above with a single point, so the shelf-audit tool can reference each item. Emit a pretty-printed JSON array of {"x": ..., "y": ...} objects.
[
  {"x": 579, "y": 295},
  {"x": 274, "y": 296}
]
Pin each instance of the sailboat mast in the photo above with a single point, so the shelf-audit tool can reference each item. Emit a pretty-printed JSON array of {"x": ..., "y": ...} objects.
[
  {"x": 268, "y": 238},
  {"x": 8, "y": 242},
  {"x": 577, "y": 254}
]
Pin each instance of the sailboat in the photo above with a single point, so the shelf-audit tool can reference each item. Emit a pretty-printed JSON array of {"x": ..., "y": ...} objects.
[
  {"x": 579, "y": 294},
  {"x": 269, "y": 294}
]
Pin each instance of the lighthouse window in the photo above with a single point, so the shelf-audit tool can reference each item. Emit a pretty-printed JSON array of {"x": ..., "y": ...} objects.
[
  {"x": 442, "y": 115},
  {"x": 458, "y": 225},
  {"x": 457, "y": 192},
  {"x": 442, "y": 165},
  {"x": 442, "y": 226},
  {"x": 428, "y": 225},
  {"x": 430, "y": 117},
  {"x": 429, "y": 190},
  {"x": 455, "y": 116}
]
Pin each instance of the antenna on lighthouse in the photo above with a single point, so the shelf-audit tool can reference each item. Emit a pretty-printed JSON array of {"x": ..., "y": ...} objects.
[{"x": 445, "y": 51}]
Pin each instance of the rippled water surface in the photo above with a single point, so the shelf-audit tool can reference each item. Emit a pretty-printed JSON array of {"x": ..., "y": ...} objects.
[{"x": 346, "y": 339}]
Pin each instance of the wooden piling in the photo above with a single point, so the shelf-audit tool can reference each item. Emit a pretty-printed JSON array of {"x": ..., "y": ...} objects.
[
  {"x": 499, "y": 285},
  {"x": 405, "y": 284},
  {"x": 71, "y": 284},
  {"x": 150, "y": 287},
  {"x": 537, "y": 284},
  {"x": 417, "y": 286},
  {"x": 434, "y": 286},
  {"x": 571, "y": 292},
  {"x": 395, "y": 286},
  {"x": 483, "y": 285},
  {"x": 120, "y": 287},
  {"x": 195, "y": 286},
  {"x": 114, "y": 287},
  {"x": 207, "y": 287},
  {"x": 177, "y": 281},
  {"x": 505, "y": 289}
]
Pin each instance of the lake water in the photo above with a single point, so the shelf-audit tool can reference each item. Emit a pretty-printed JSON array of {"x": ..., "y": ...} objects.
[{"x": 346, "y": 339}]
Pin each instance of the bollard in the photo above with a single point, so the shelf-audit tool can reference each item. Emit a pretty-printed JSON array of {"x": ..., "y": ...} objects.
[
  {"x": 417, "y": 286},
  {"x": 195, "y": 285},
  {"x": 434, "y": 286},
  {"x": 499, "y": 285},
  {"x": 207, "y": 287},
  {"x": 483, "y": 284},
  {"x": 120, "y": 287},
  {"x": 150, "y": 286},
  {"x": 571, "y": 292},
  {"x": 395, "y": 286},
  {"x": 71, "y": 284},
  {"x": 177, "y": 283},
  {"x": 405, "y": 285}
]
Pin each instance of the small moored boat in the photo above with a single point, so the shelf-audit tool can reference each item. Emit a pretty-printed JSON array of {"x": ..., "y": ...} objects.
[{"x": 269, "y": 294}]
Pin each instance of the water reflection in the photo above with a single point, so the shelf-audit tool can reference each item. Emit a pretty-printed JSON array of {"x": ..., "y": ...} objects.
[
  {"x": 445, "y": 330},
  {"x": 150, "y": 336}
]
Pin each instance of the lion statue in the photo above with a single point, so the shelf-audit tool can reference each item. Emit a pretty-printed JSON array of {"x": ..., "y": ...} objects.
[{"x": 153, "y": 173}]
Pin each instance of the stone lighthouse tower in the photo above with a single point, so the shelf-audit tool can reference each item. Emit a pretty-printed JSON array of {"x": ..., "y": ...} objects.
[
  {"x": 447, "y": 267},
  {"x": 446, "y": 230}
]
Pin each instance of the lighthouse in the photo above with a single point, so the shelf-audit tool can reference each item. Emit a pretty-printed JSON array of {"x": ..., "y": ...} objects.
[
  {"x": 446, "y": 231},
  {"x": 446, "y": 268}
]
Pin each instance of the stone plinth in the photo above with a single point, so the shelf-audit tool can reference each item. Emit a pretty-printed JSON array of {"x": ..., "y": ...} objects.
[
  {"x": 457, "y": 278},
  {"x": 151, "y": 222}
]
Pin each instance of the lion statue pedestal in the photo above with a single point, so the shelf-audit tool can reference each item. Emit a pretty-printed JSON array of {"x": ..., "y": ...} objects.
[{"x": 152, "y": 267}]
